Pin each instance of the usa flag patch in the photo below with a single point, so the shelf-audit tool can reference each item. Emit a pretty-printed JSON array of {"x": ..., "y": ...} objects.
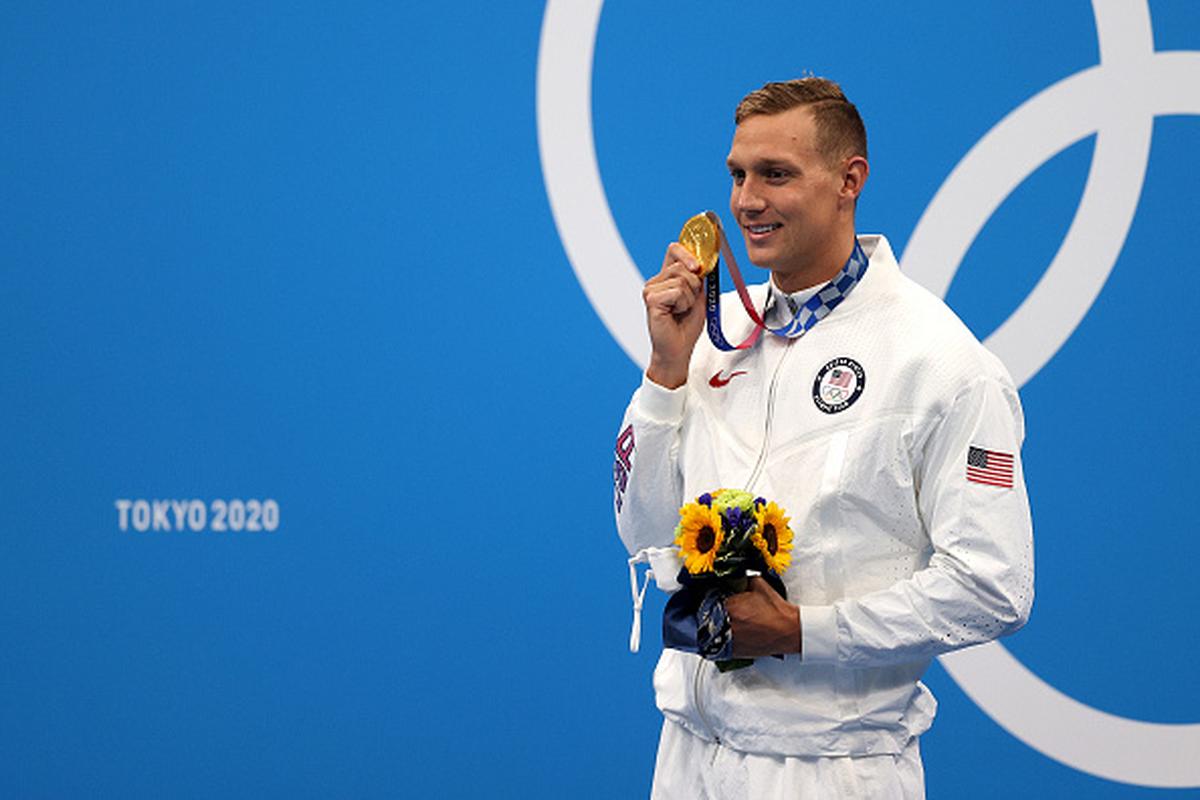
[{"x": 990, "y": 467}]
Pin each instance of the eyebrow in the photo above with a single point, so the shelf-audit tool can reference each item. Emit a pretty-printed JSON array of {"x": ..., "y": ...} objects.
[{"x": 763, "y": 164}]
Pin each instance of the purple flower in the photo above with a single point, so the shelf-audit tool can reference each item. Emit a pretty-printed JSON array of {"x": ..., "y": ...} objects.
[
  {"x": 705, "y": 499},
  {"x": 738, "y": 520}
]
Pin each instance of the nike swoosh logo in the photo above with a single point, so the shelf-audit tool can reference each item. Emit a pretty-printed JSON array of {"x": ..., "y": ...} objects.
[{"x": 716, "y": 381}]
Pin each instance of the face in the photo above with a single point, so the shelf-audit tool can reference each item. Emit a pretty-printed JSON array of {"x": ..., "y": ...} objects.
[{"x": 796, "y": 210}]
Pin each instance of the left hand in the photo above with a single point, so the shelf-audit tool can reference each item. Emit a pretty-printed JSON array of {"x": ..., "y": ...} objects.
[{"x": 763, "y": 623}]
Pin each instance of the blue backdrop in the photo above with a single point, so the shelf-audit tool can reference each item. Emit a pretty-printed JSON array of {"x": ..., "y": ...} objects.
[{"x": 297, "y": 263}]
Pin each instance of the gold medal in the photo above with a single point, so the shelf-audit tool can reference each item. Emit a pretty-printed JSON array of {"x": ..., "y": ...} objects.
[{"x": 699, "y": 236}]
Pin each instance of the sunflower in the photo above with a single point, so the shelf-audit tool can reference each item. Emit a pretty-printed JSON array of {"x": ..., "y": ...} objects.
[
  {"x": 773, "y": 537},
  {"x": 699, "y": 536}
]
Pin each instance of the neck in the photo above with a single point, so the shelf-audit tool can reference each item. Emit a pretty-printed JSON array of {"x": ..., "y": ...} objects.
[{"x": 820, "y": 269}]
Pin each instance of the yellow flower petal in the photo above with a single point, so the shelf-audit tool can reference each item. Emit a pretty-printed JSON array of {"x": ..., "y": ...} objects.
[
  {"x": 699, "y": 537},
  {"x": 773, "y": 537}
]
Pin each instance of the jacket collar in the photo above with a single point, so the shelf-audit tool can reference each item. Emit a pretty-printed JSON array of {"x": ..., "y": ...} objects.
[{"x": 781, "y": 306}]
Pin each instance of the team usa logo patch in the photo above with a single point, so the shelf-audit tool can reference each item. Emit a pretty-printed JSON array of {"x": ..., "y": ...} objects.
[
  {"x": 990, "y": 467},
  {"x": 838, "y": 385}
]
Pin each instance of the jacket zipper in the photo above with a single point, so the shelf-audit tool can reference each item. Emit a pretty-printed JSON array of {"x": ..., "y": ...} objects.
[
  {"x": 696, "y": 699},
  {"x": 762, "y": 454},
  {"x": 754, "y": 475}
]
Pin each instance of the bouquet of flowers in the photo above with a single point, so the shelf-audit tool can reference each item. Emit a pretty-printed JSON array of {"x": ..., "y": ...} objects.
[{"x": 723, "y": 537}]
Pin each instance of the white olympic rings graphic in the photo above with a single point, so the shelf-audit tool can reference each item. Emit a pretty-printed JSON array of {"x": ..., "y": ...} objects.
[{"x": 1117, "y": 100}]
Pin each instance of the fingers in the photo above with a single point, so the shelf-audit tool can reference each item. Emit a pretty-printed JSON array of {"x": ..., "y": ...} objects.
[
  {"x": 733, "y": 606},
  {"x": 682, "y": 265},
  {"x": 763, "y": 623},
  {"x": 675, "y": 309},
  {"x": 758, "y": 595},
  {"x": 678, "y": 254},
  {"x": 678, "y": 286},
  {"x": 672, "y": 295}
]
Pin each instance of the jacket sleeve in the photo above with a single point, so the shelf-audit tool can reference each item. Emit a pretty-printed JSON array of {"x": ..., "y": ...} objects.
[
  {"x": 647, "y": 483},
  {"x": 978, "y": 584}
]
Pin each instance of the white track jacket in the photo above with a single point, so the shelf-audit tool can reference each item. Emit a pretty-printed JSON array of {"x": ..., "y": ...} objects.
[{"x": 892, "y": 438}]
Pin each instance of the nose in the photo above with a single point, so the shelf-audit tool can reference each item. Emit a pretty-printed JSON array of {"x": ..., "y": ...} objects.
[{"x": 746, "y": 198}]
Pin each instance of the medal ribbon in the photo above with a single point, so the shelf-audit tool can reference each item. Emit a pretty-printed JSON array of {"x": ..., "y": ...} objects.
[{"x": 815, "y": 309}]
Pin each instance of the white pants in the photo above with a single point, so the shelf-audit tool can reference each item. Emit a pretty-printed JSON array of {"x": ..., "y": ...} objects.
[{"x": 690, "y": 768}]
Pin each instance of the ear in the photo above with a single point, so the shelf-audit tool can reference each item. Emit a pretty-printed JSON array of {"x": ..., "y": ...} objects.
[{"x": 854, "y": 177}]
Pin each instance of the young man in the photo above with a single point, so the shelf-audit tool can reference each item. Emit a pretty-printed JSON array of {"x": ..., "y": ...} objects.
[{"x": 886, "y": 430}]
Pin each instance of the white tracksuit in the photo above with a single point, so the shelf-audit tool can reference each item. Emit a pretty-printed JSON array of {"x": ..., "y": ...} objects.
[{"x": 898, "y": 556}]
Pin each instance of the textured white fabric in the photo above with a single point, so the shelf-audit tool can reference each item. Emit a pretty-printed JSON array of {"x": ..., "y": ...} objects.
[
  {"x": 690, "y": 768},
  {"x": 898, "y": 557}
]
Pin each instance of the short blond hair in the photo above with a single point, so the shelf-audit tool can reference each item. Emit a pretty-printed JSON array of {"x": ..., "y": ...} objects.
[{"x": 840, "y": 130}]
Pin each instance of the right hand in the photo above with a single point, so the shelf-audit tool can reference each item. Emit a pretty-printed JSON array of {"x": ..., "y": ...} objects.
[{"x": 674, "y": 301}]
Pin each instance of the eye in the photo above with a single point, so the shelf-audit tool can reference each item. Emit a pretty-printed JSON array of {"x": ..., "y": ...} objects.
[
  {"x": 776, "y": 175},
  {"x": 738, "y": 175}
]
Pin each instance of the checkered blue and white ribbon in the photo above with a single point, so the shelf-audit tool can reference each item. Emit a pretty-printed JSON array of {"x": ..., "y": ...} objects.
[{"x": 815, "y": 309}]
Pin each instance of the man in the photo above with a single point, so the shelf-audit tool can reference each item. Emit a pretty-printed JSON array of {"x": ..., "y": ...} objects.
[{"x": 886, "y": 430}]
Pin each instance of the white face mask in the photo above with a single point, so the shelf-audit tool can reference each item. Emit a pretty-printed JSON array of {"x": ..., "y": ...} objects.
[{"x": 665, "y": 564}]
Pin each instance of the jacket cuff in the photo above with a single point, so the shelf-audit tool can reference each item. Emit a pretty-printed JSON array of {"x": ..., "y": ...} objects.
[
  {"x": 818, "y": 634},
  {"x": 661, "y": 404}
]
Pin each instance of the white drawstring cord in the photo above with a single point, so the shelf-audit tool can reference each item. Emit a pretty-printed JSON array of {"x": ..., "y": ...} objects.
[
  {"x": 635, "y": 633},
  {"x": 664, "y": 565}
]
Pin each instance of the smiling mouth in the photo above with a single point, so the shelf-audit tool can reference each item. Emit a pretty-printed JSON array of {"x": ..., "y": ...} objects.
[{"x": 761, "y": 229}]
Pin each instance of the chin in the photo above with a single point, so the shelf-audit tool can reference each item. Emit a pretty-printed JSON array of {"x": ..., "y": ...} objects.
[{"x": 758, "y": 257}]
